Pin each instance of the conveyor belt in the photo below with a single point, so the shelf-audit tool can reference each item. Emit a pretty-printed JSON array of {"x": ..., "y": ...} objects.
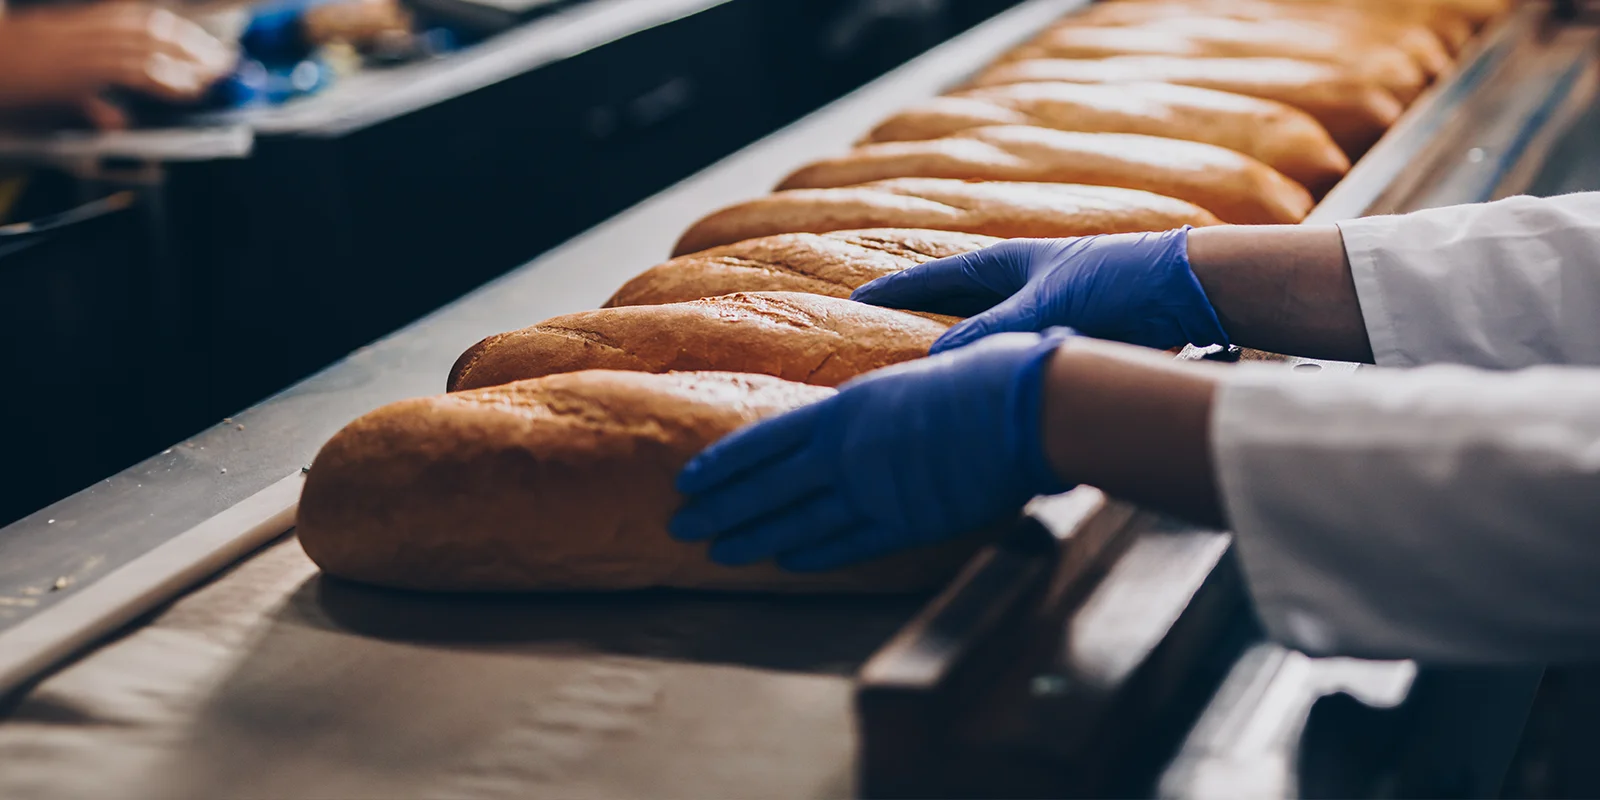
[{"x": 272, "y": 682}]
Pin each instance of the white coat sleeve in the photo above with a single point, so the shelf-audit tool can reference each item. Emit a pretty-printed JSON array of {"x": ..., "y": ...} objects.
[
  {"x": 1443, "y": 513},
  {"x": 1501, "y": 285}
]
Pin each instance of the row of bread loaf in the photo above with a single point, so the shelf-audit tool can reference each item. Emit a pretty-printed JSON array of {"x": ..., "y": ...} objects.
[{"x": 551, "y": 463}]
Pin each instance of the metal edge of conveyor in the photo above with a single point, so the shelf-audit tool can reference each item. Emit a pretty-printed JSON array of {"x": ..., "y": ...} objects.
[
  {"x": 371, "y": 99},
  {"x": 1470, "y": 143}
]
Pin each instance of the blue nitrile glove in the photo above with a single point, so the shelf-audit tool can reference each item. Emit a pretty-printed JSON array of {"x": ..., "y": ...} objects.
[
  {"x": 908, "y": 455},
  {"x": 1128, "y": 287}
]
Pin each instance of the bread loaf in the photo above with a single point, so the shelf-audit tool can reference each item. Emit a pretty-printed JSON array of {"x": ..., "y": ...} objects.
[
  {"x": 1212, "y": 37},
  {"x": 561, "y": 483},
  {"x": 1280, "y": 136},
  {"x": 1354, "y": 111},
  {"x": 1233, "y": 186},
  {"x": 800, "y": 337},
  {"x": 832, "y": 264},
  {"x": 996, "y": 209},
  {"x": 1412, "y": 37},
  {"x": 1476, "y": 12},
  {"x": 1453, "y": 28}
]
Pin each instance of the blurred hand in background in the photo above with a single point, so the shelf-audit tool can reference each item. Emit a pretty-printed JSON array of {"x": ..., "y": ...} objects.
[{"x": 68, "y": 58}]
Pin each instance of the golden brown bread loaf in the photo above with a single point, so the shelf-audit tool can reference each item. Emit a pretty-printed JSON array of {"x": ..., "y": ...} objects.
[
  {"x": 1452, "y": 27},
  {"x": 1213, "y": 37},
  {"x": 1280, "y": 136},
  {"x": 833, "y": 264},
  {"x": 1355, "y": 112},
  {"x": 561, "y": 483},
  {"x": 1413, "y": 37},
  {"x": 800, "y": 337},
  {"x": 1475, "y": 12},
  {"x": 1007, "y": 210},
  {"x": 1233, "y": 186}
]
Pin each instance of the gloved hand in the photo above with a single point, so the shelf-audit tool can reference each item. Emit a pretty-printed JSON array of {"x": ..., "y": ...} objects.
[
  {"x": 1130, "y": 287},
  {"x": 904, "y": 456}
]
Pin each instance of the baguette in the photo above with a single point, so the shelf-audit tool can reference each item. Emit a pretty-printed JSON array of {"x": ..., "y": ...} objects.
[
  {"x": 1415, "y": 39},
  {"x": 994, "y": 209},
  {"x": 1452, "y": 27},
  {"x": 1233, "y": 186},
  {"x": 1280, "y": 136},
  {"x": 833, "y": 264},
  {"x": 1475, "y": 12},
  {"x": 1211, "y": 37},
  {"x": 561, "y": 483},
  {"x": 1355, "y": 112},
  {"x": 800, "y": 337}
]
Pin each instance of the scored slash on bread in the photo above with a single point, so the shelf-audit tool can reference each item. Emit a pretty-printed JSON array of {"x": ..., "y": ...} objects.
[
  {"x": 1231, "y": 185},
  {"x": 561, "y": 483},
  {"x": 1211, "y": 37},
  {"x": 1008, "y": 210},
  {"x": 801, "y": 337},
  {"x": 1276, "y": 134},
  {"x": 833, "y": 264},
  {"x": 1355, "y": 112}
]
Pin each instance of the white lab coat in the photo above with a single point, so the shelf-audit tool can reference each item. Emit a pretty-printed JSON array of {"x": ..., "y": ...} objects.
[{"x": 1449, "y": 510}]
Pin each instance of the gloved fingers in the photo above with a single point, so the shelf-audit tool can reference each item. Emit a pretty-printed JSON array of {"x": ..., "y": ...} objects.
[
  {"x": 766, "y": 490},
  {"x": 750, "y": 446},
  {"x": 943, "y": 286},
  {"x": 815, "y": 519},
  {"x": 852, "y": 547},
  {"x": 1018, "y": 314}
]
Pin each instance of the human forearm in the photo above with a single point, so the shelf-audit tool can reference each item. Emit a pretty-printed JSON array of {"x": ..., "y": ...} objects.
[
  {"x": 1282, "y": 288},
  {"x": 1134, "y": 424}
]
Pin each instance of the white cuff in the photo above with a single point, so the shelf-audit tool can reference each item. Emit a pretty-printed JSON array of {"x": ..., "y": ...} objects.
[{"x": 1364, "y": 240}]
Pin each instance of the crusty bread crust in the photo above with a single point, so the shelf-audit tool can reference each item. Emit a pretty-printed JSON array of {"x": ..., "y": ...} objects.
[
  {"x": 561, "y": 483},
  {"x": 1215, "y": 37},
  {"x": 799, "y": 337},
  {"x": 1279, "y": 135},
  {"x": 1356, "y": 112},
  {"x": 1412, "y": 35},
  {"x": 1233, "y": 186},
  {"x": 833, "y": 264},
  {"x": 1007, "y": 210}
]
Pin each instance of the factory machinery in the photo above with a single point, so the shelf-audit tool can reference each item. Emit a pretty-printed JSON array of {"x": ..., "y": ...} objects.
[{"x": 161, "y": 634}]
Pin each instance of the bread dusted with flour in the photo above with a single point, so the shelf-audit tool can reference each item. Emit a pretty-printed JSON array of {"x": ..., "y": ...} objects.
[
  {"x": 561, "y": 483},
  {"x": 800, "y": 337},
  {"x": 1006, "y": 210},
  {"x": 1278, "y": 135},
  {"x": 1233, "y": 186},
  {"x": 833, "y": 264}
]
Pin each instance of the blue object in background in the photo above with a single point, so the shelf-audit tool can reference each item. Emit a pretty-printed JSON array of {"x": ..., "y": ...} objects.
[
  {"x": 273, "y": 35},
  {"x": 247, "y": 86}
]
